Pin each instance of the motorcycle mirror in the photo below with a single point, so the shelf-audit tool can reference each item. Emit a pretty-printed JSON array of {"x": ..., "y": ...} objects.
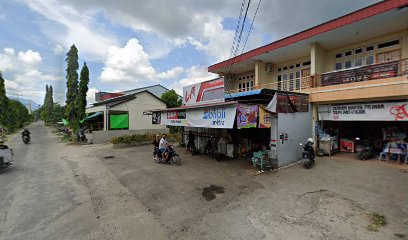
[
  {"x": 357, "y": 138},
  {"x": 300, "y": 144}
]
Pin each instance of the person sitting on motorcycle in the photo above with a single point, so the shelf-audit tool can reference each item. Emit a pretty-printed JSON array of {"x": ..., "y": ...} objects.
[
  {"x": 26, "y": 132},
  {"x": 310, "y": 143},
  {"x": 163, "y": 145},
  {"x": 156, "y": 143},
  {"x": 2, "y": 145}
]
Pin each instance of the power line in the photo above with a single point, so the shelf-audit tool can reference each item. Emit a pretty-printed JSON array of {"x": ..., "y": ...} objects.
[
  {"x": 253, "y": 20},
  {"x": 242, "y": 29},
  {"x": 237, "y": 27}
]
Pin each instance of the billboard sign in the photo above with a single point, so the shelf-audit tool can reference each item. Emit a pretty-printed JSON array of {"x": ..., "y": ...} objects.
[
  {"x": 381, "y": 111},
  {"x": 205, "y": 92}
]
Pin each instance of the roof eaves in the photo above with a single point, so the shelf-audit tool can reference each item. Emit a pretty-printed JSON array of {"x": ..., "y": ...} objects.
[{"x": 352, "y": 17}]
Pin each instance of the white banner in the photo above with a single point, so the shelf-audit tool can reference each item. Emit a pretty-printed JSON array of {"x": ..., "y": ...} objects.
[
  {"x": 213, "y": 117},
  {"x": 206, "y": 117},
  {"x": 381, "y": 111}
]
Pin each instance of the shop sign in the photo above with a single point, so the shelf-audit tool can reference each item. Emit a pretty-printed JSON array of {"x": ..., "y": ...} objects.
[
  {"x": 204, "y": 92},
  {"x": 247, "y": 116},
  {"x": 385, "y": 111},
  {"x": 265, "y": 118},
  {"x": 174, "y": 118},
  {"x": 212, "y": 117},
  {"x": 370, "y": 72},
  {"x": 156, "y": 118}
]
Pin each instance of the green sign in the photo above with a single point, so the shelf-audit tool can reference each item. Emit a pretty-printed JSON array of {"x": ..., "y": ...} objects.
[{"x": 119, "y": 121}]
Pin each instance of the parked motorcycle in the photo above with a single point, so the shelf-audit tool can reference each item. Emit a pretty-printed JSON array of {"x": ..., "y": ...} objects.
[
  {"x": 6, "y": 157},
  {"x": 26, "y": 139},
  {"x": 308, "y": 155},
  {"x": 82, "y": 136},
  {"x": 169, "y": 156},
  {"x": 364, "y": 149}
]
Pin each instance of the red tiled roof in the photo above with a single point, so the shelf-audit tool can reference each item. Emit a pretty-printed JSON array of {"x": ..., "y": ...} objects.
[{"x": 358, "y": 15}]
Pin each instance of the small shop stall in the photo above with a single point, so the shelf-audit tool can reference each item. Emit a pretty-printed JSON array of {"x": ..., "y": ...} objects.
[
  {"x": 247, "y": 122},
  {"x": 380, "y": 125}
]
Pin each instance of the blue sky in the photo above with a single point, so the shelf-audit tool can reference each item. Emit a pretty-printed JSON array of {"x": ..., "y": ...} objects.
[{"x": 129, "y": 44}]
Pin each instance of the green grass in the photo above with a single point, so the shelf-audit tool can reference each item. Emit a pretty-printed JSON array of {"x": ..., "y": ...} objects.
[{"x": 376, "y": 221}]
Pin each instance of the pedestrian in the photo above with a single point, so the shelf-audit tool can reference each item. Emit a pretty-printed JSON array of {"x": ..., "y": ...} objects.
[
  {"x": 190, "y": 141},
  {"x": 156, "y": 143}
]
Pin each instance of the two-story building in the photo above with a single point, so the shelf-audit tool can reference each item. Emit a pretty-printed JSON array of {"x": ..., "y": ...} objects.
[{"x": 354, "y": 69}]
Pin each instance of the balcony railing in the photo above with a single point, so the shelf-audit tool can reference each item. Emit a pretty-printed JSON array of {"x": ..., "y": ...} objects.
[{"x": 360, "y": 74}]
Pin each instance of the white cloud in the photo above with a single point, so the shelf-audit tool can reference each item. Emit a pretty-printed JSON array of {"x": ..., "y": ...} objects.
[
  {"x": 131, "y": 65},
  {"x": 30, "y": 57},
  {"x": 195, "y": 74},
  {"x": 78, "y": 28},
  {"x": 58, "y": 49},
  {"x": 23, "y": 77},
  {"x": 90, "y": 95}
]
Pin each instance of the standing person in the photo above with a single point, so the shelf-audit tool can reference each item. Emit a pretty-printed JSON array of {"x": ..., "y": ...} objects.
[
  {"x": 163, "y": 145},
  {"x": 190, "y": 141},
  {"x": 156, "y": 143}
]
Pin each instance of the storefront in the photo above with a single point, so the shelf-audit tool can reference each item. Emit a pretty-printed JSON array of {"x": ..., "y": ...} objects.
[
  {"x": 275, "y": 122},
  {"x": 383, "y": 124}
]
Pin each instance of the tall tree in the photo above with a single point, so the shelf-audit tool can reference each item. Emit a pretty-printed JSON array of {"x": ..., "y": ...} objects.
[
  {"x": 72, "y": 88},
  {"x": 171, "y": 99},
  {"x": 50, "y": 99},
  {"x": 3, "y": 102},
  {"x": 82, "y": 91}
]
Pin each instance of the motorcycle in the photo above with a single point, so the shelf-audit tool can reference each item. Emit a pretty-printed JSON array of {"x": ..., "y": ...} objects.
[
  {"x": 210, "y": 149},
  {"x": 26, "y": 139},
  {"x": 364, "y": 149},
  {"x": 308, "y": 156},
  {"x": 82, "y": 137},
  {"x": 6, "y": 158},
  {"x": 168, "y": 156}
]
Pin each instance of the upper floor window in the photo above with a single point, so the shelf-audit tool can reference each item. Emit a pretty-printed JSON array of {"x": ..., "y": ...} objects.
[{"x": 388, "y": 44}]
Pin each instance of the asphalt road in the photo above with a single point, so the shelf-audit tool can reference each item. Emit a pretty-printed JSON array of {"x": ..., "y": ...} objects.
[{"x": 39, "y": 198}]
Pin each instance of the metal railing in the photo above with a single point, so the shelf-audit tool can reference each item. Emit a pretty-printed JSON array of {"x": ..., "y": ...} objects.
[{"x": 360, "y": 74}]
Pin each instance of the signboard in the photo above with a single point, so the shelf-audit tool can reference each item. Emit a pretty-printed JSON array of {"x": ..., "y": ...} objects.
[
  {"x": 247, "y": 116},
  {"x": 289, "y": 103},
  {"x": 265, "y": 118},
  {"x": 213, "y": 117},
  {"x": 381, "y": 111},
  {"x": 370, "y": 72},
  {"x": 204, "y": 92},
  {"x": 174, "y": 118},
  {"x": 156, "y": 118}
]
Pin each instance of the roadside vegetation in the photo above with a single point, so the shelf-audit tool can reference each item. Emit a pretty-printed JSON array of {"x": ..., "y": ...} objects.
[
  {"x": 142, "y": 138},
  {"x": 13, "y": 114}
]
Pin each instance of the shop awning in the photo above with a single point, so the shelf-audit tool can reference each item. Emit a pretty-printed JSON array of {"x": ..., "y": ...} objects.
[
  {"x": 242, "y": 94},
  {"x": 93, "y": 115}
]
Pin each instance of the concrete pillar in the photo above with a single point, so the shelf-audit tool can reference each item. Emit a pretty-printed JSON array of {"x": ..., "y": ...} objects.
[
  {"x": 105, "y": 119},
  {"x": 317, "y": 59},
  {"x": 260, "y": 73},
  {"x": 405, "y": 45}
]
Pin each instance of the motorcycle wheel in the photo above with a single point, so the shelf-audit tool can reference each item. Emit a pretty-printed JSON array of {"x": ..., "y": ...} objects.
[
  {"x": 308, "y": 164},
  {"x": 175, "y": 160}
]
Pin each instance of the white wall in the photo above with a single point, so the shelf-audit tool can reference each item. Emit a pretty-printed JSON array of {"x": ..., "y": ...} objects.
[
  {"x": 299, "y": 128},
  {"x": 143, "y": 102}
]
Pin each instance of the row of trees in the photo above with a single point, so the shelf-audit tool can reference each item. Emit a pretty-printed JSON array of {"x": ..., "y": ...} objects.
[
  {"x": 75, "y": 103},
  {"x": 13, "y": 114},
  {"x": 76, "y": 92}
]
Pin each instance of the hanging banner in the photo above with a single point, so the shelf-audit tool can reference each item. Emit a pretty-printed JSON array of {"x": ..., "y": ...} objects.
[
  {"x": 265, "y": 118},
  {"x": 247, "y": 116},
  {"x": 212, "y": 117},
  {"x": 156, "y": 118},
  {"x": 381, "y": 111},
  {"x": 174, "y": 118},
  {"x": 204, "y": 92}
]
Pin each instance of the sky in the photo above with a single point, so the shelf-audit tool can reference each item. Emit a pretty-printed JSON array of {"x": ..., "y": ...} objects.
[{"x": 132, "y": 43}]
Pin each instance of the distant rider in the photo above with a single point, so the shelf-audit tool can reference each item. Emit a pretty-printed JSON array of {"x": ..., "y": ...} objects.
[
  {"x": 25, "y": 132},
  {"x": 156, "y": 143}
]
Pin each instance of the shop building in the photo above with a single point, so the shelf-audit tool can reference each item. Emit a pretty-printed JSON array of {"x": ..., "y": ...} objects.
[
  {"x": 353, "y": 68},
  {"x": 266, "y": 120}
]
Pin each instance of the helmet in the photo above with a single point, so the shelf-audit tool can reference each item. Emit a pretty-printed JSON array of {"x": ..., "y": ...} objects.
[{"x": 310, "y": 140}]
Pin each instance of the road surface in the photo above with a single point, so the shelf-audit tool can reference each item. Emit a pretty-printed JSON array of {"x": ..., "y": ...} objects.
[{"x": 46, "y": 195}]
